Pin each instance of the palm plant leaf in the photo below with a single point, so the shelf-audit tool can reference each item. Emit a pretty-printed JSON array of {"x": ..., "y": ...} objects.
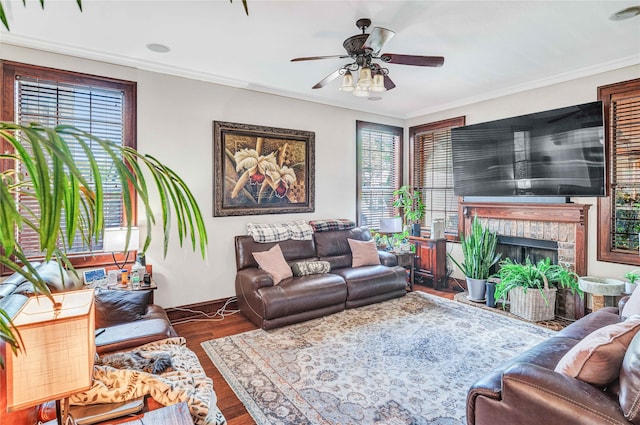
[{"x": 47, "y": 173}]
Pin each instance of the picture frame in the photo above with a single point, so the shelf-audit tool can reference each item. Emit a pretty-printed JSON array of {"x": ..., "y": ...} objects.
[
  {"x": 89, "y": 276},
  {"x": 262, "y": 170}
]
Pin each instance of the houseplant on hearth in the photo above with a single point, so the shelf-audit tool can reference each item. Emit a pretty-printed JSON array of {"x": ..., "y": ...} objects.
[
  {"x": 413, "y": 209},
  {"x": 531, "y": 287},
  {"x": 479, "y": 254},
  {"x": 46, "y": 190}
]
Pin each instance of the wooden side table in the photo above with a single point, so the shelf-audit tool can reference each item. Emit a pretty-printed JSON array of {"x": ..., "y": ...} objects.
[
  {"x": 406, "y": 260},
  {"x": 431, "y": 260}
]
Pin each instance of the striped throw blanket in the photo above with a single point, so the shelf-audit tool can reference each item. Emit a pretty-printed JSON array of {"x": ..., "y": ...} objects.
[
  {"x": 334, "y": 224},
  {"x": 267, "y": 233}
]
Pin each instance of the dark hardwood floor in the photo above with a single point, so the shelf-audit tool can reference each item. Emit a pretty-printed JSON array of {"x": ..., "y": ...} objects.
[{"x": 197, "y": 332}]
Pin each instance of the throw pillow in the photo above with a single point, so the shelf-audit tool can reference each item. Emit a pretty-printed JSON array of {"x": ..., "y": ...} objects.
[
  {"x": 272, "y": 261},
  {"x": 305, "y": 268},
  {"x": 629, "y": 382},
  {"x": 632, "y": 306},
  {"x": 364, "y": 253},
  {"x": 598, "y": 357}
]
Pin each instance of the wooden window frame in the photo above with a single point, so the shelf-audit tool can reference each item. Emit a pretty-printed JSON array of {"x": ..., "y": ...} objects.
[
  {"x": 413, "y": 132},
  {"x": 8, "y": 72},
  {"x": 397, "y": 131},
  {"x": 605, "y": 204}
]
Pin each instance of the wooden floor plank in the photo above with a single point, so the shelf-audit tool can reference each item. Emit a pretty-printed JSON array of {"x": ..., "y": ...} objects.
[{"x": 197, "y": 332}]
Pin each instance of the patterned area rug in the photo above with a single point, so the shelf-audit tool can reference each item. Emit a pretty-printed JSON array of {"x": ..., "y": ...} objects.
[{"x": 406, "y": 361}]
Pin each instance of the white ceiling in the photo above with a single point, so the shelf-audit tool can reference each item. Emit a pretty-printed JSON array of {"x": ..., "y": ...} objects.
[{"x": 491, "y": 48}]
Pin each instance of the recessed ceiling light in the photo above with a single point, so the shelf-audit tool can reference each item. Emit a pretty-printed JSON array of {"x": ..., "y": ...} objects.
[
  {"x": 158, "y": 48},
  {"x": 627, "y": 13}
]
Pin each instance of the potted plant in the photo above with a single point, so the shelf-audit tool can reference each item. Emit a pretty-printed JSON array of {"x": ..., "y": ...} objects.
[
  {"x": 64, "y": 196},
  {"x": 410, "y": 202},
  {"x": 632, "y": 280},
  {"x": 479, "y": 254},
  {"x": 538, "y": 304}
]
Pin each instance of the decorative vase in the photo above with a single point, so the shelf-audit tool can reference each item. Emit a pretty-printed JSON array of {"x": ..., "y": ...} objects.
[
  {"x": 477, "y": 289},
  {"x": 491, "y": 291}
]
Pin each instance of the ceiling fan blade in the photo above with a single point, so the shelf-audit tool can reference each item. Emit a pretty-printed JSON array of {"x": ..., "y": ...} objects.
[
  {"x": 378, "y": 37},
  {"x": 329, "y": 78},
  {"x": 412, "y": 60},
  {"x": 388, "y": 84},
  {"x": 312, "y": 58}
]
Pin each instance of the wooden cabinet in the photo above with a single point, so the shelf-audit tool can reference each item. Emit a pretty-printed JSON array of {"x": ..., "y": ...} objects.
[{"x": 431, "y": 262}]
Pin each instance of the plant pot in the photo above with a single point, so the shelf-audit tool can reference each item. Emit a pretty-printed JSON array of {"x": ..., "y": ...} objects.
[
  {"x": 629, "y": 287},
  {"x": 415, "y": 229},
  {"x": 491, "y": 291},
  {"x": 477, "y": 289},
  {"x": 531, "y": 305}
]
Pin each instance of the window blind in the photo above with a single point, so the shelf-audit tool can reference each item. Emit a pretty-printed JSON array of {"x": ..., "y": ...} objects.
[
  {"x": 432, "y": 172},
  {"x": 625, "y": 172},
  {"x": 96, "y": 110},
  {"x": 379, "y": 172}
]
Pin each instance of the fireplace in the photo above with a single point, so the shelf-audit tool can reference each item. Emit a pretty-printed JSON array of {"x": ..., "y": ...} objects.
[
  {"x": 558, "y": 231},
  {"x": 519, "y": 249}
]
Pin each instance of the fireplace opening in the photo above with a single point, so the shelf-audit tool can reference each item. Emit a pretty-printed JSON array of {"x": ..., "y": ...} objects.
[{"x": 518, "y": 249}]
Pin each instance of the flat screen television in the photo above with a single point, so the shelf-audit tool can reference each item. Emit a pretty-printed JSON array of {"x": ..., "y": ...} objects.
[{"x": 556, "y": 153}]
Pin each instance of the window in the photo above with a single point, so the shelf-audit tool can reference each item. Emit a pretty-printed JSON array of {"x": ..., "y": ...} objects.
[
  {"x": 379, "y": 171},
  {"x": 619, "y": 212},
  {"x": 101, "y": 106},
  {"x": 432, "y": 172}
]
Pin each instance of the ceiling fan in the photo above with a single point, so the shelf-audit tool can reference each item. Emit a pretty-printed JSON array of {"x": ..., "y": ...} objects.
[{"x": 364, "y": 49}]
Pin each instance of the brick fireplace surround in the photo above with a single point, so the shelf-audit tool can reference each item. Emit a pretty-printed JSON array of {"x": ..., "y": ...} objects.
[{"x": 565, "y": 224}]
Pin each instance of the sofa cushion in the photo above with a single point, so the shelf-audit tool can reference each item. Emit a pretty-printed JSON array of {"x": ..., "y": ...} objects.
[
  {"x": 632, "y": 306},
  {"x": 598, "y": 357},
  {"x": 363, "y": 253},
  {"x": 116, "y": 306},
  {"x": 305, "y": 268},
  {"x": 629, "y": 382},
  {"x": 272, "y": 261}
]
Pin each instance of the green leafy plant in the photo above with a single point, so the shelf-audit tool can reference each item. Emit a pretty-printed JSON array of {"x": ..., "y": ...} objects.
[
  {"x": 478, "y": 250},
  {"x": 632, "y": 276},
  {"x": 70, "y": 207},
  {"x": 529, "y": 275},
  {"x": 5, "y": 22},
  {"x": 410, "y": 202}
]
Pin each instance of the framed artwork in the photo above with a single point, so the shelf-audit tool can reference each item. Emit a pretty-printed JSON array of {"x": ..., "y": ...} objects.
[{"x": 262, "y": 170}]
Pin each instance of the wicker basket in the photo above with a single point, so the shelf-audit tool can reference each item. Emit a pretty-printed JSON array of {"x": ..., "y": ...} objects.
[{"x": 532, "y": 305}]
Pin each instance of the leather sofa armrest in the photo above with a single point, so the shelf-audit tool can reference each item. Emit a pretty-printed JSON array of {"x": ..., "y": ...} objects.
[
  {"x": 252, "y": 278},
  {"x": 532, "y": 394},
  {"x": 623, "y": 301},
  {"x": 387, "y": 259}
]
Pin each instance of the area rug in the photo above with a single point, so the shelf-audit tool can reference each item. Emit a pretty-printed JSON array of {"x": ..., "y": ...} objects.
[{"x": 406, "y": 361}]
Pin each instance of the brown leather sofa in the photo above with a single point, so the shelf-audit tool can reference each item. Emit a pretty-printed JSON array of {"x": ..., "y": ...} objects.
[
  {"x": 124, "y": 320},
  {"x": 527, "y": 391},
  {"x": 301, "y": 298}
]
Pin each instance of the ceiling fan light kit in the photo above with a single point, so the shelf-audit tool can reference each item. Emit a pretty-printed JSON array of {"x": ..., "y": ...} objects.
[{"x": 364, "y": 49}]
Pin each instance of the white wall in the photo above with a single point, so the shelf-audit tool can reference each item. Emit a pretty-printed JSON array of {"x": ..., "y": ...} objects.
[
  {"x": 175, "y": 124},
  {"x": 555, "y": 96}
]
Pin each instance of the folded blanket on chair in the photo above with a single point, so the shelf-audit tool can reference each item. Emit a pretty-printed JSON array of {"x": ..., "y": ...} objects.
[{"x": 186, "y": 382}]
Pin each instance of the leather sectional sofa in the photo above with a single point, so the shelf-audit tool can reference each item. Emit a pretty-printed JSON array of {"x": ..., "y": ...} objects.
[
  {"x": 301, "y": 298},
  {"x": 527, "y": 390}
]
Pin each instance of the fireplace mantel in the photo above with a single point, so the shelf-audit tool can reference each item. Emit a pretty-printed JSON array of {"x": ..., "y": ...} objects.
[
  {"x": 564, "y": 223},
  {"x": 561, "y": 213}
]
